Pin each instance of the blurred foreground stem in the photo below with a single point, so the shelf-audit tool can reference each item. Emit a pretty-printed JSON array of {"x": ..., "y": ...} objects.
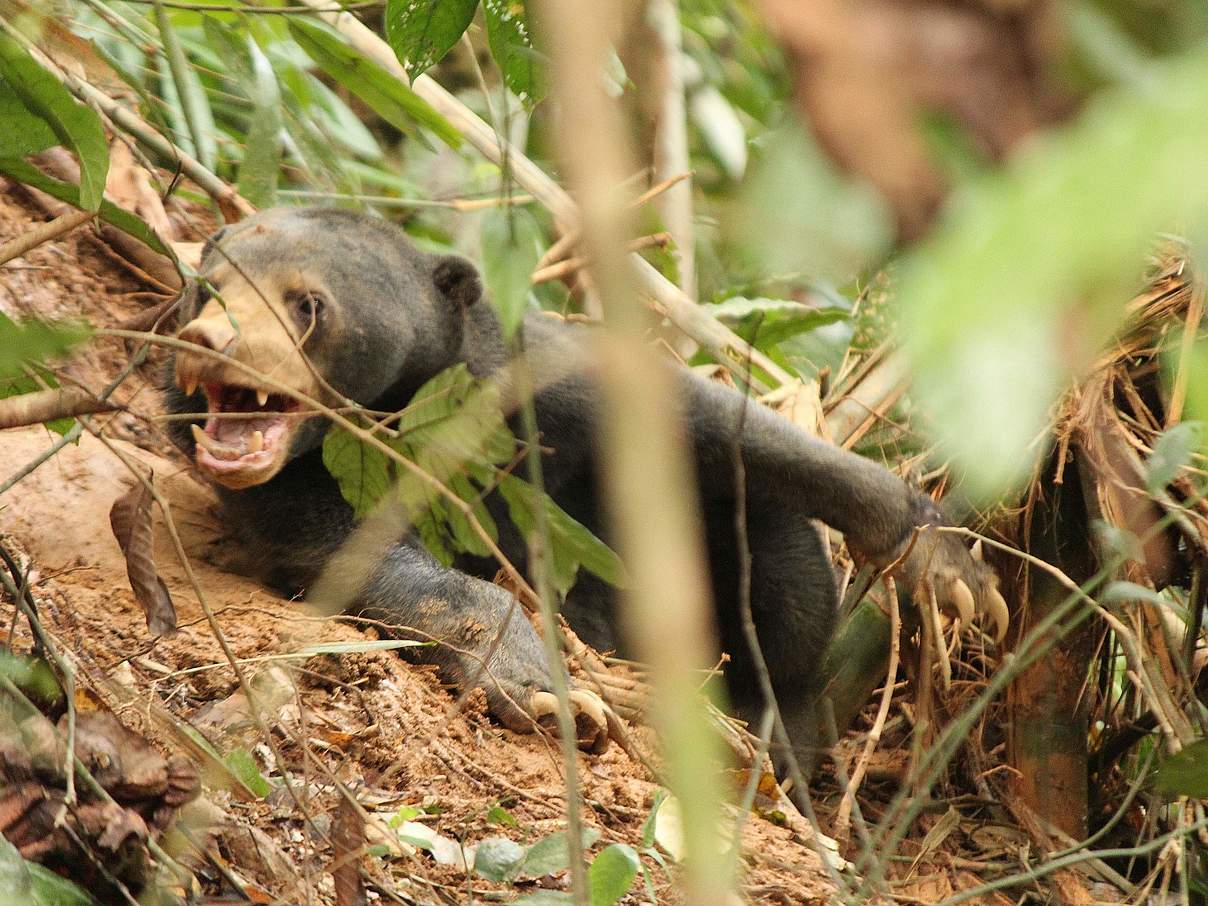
[{"x": 647, "y": 474}]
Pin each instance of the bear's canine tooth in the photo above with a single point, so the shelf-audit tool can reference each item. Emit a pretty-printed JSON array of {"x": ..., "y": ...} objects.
[
  {"x": 262, "y": 398},
  {"x": 256, "y": 444}
]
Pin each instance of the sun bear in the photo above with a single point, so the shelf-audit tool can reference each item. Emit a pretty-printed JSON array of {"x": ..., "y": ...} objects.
[{"x": 340, "y": 306}]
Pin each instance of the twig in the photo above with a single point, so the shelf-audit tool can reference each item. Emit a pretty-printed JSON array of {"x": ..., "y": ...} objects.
[
  {"x": 570, "y": 265},
  {"x": 43, "y": 232},
  {"x": 232, "y": 204},
  {"x": 1178, "y": 394},
  {"x": 49, "y": 405},
  {"x": 842, "y": 816},
  {"x": 671, "y": 139},
  {"x": 461, "y": 205}
]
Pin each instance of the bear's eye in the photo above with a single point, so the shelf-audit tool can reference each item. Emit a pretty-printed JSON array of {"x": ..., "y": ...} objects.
[{"x": 307, "y": 308}]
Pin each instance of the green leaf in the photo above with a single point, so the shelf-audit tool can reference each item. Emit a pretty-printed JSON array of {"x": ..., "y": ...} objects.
[
  {"x": 262, "y": 156},
  {"x": 496, "y": 858},
  {"x": 390, "y": 98},
  {"x": 15, "y": 883},
  {"x": 767, "y": 322},
  {"x": 499, "y": 815},
  {"x": 33, "y": 676},
  {"x": 362, "y": 471},
  {"x": 18, "y": 384},
  {"x": 74, "y": 124},
  {"x": 612, "y": 873},
  {"x": 50, "y": 889},
  {"x": 1131, "y": 591},
  {"x": 552, "y": 854},
  {"x": 1171, "y": 451},
  {"x": 240, "y": 762},
  {"x": 648, "y": 826},
  {"x": 508, "y": 33},
  {"x": 511, "y": 248},
  {"x": 32, "y": 342},
  {"x": 421, "y": 32},
  {"x": 65, "y": 191},
  {"x": 1185, "y": 773},
  {"x": 572, "y": 544},
  {"x": 262, "y": 144},
  {"x": 994, "y": 321},
  {"x": 23, "y": 133},
  {"x": 184, "y": 94}
]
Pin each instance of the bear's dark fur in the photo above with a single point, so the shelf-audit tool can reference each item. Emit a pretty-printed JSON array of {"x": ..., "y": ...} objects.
[{"x": 389, "y": 318}]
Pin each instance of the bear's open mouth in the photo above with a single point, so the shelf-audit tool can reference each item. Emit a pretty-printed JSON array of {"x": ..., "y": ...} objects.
[{"x": 245, "y": 431}]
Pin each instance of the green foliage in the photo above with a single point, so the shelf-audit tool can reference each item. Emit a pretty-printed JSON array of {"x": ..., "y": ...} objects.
[
  {"x": 65, "y": 191},
  {"x": 262, "y": 154},
  {"x": 239, "y": 762},
  {"x": 497, "y": 858},
  {"x": 49, "y": 107},
  {"x": 551, "y": 854},
  {"x": 572, "y": 544},
  {"x": 184, "y": 94},
  {"x": 501, "y": 816},
  {"x": 612, "y": 873},
  {"x": 423, "y": 31},
  {"x": 30, "y": 883},
  {"x": 1185, "y": 773},
  {"x": 454, "y": 430},
  {"x": 1026, "y": 277},
  {"x": 31, "y": 343},
  {"x": 1171, "y": 452},
  {"x": 511, "y": 247},
  {"x": 510, "y": 36},
  {"x": 363, "y": 472},
  {"x": 766, "y": 323},
  {"x": 390, "y": 99},
  {"x": 33, "y": 676}
]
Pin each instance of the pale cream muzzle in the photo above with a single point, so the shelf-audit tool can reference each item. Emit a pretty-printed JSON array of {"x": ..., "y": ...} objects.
[{"x": 249, "y": 424}]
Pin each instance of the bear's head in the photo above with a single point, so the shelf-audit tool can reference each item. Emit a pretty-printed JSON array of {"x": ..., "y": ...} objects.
[{"x": 335, "y": 305}]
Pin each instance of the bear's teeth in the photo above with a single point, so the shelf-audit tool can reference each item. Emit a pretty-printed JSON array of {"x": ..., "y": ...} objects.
[
  {"x": 256, "y": 444},
  {"x": 262, "y": 398},
  {"x": 190, "y": 386}
]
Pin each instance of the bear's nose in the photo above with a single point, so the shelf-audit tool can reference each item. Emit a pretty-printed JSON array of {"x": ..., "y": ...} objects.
[{"x": 212, "y": 333}]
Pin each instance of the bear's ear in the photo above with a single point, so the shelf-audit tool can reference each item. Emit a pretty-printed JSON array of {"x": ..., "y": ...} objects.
[{"x": 456, "y": 279}]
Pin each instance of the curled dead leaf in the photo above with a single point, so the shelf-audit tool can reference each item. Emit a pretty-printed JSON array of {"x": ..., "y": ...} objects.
[{"x": 130, "y": 519}]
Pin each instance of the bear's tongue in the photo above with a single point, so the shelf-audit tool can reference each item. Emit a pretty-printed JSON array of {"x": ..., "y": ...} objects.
[{"x": 232, "y": 439}]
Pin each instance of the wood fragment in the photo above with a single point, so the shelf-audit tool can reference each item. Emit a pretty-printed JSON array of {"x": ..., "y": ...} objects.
[
  {"x": 49, "y": 405},
  {"x": 32, "y": 238}
]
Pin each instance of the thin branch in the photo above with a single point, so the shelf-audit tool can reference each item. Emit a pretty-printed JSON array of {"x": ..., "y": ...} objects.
[{"x": 43, "y": 232}]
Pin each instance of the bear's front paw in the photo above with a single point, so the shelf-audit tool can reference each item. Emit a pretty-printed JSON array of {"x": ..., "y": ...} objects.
[
  {"x": 934, "y": 561},
  {"x": 588, "y": 710}
]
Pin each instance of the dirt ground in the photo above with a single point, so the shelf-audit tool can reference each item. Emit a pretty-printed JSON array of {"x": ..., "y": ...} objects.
[{"x": 387, "y": 730}]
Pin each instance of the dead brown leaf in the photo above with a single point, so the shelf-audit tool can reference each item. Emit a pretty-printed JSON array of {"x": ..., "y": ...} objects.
[{"x": 130, "y": 519}]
